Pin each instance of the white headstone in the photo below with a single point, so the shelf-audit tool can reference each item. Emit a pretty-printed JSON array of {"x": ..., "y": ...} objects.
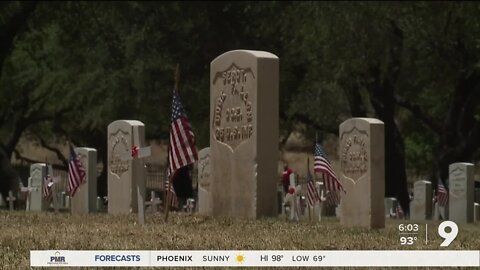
[
  {"x": 190, "y": 205},
  {"x": 204, "y": 192},
  {"x": 154, "y": 203},
  {"x": 362, "y": 172},
  {"x": 244, "y": 133},
  {"x": 84, "y": 200},
  {"x": 11, "y": 200},
  {"x": 461, "y": 187},
  {"x": 319, "y": 206},
  {"x": 126, "y": 178},
  {"x": 38, "y": 173},
  {"x": 421, "y": 205}
]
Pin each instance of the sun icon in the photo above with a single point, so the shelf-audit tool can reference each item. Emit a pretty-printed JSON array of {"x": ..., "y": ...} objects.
[{"x": 240, "y": 258}]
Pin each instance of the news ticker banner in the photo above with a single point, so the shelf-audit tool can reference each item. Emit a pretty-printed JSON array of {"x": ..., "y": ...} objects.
[{"x": 258, "y": 258}]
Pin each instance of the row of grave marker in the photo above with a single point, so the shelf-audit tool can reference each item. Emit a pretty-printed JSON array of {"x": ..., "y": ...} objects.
[
  {"x": 241, "y": 177},
  {"x": 421, "y": 206}
]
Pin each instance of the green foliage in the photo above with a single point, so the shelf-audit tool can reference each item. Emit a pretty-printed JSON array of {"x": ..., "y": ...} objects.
[{"x": 79, "y": 65}]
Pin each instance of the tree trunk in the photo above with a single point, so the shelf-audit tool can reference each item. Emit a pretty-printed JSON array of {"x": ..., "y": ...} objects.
[
  {"x": 7, "y": 175},
  {"x": 395, "y": 170},
  {"x": 102, "y": 180}
]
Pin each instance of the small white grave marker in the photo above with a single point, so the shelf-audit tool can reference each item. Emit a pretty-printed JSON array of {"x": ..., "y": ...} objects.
[
  {"x": 10, "y": 200},
  {"x": 190, "y": 205},
  {"x": 99, "y": 204},
  {"x": 292, "y": 199},
  {"x": 138, "y": 153},
  {"x": 154, "y": 202},
  {"x": 27, "y": 191},
  {"x": 319, "y": 204}
]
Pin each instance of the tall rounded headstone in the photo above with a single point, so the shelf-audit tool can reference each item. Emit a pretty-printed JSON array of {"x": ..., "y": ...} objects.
[
  {"x": 244, "y": 133},
  {"x": 421, "y": 205},
  {"x": 362, "y": 172},
  {"x": 204, "y": 193},
  {"x": 461, "y": 187},
  {"x": 38, "y": 172},
  {"x": 124, "y": 175},
  {"x": 84, "y": 199}
]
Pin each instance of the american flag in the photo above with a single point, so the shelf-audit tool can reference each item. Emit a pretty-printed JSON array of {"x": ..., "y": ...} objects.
[
  {"x": 173, "y": 195},
  {"x": 312, "y": 193},
  {"x": 322, "y": 165},
  {"x": 442, "y": 194},
  {"x": 47, "y": 185},
  {"x": 182, "y": 150},
  {"x": 76, "y": 172}
]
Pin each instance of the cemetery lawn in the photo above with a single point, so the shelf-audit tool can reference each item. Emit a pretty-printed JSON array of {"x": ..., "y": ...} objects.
[{"x": 24, "y": 231}]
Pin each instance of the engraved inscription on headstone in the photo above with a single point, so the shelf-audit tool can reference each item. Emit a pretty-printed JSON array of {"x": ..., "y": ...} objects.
[
  {"x": 362, "y": 172},
  {"x": 126, "y": 176},
  {"x": 457, "y": 184},
  {"x": 421, "y": 205},
  {"x": 233, "y": 114},
  {"x": 204, "y": 171},
  {"x": 420, "y": 193},
  {"x": 243, "y": 133},
  {"x": 204, "y": 192},
  {"x": 120, "y": 145},
  {"x": 461, "y": 188},
  {"x": 354, "y": 156},
  {"x": 37, "y": 174}
]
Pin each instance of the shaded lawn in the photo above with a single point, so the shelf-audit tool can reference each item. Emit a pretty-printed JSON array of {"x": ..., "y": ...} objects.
[{"x": 25, "y": 231}]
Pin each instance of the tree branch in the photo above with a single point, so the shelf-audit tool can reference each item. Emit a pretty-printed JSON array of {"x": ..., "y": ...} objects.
[
  {"x": 23, "y": 124},
  {"x": 418, "y": 112},
  {"x": 59, "y": 154},
  {"x": 28, "y": 160},
  {"x": 305, "y": 119},
  {"x": 471, "y": 142},
  {"x": 466, "y": 85}
]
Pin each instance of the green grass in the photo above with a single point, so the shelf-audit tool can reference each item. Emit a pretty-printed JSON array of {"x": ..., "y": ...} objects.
[{"x": 25, "y": 231}]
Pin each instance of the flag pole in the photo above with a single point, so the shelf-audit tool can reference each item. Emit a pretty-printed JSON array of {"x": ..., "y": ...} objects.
[
  {"x": 314, "y": 147},
  {"x": 170, "y": 177},
  {"x": 45, "y": 183},
  {"x": 309, "y": 207}
]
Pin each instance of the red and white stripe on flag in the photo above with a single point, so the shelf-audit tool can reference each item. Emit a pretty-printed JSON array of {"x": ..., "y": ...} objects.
[
  {"x": 76, "y": 173},
  {"x": 182, "y": 145},
  {"x": 312, "y": 193},
  {"x": 442, "y": 194},
  {"x": 173, "y": 195}
]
